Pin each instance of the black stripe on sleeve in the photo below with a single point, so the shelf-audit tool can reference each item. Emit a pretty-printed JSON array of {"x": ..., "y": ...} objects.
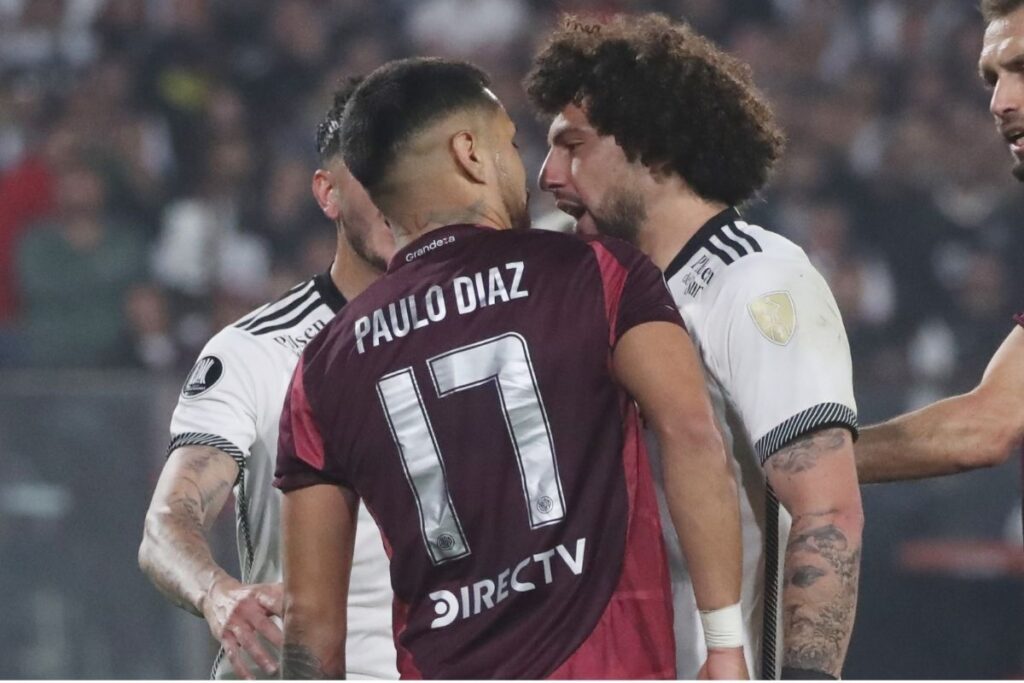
[
  {"x": 770, "y": 618},
  {"x": 314, "y": 304},
  {"x": 278, "y": 313},
  {"x": 815, "y": 418},
  {"x": 211, "y": 440},
  {"x": 720, "y": 253},
  {"x": 749, "y": 239},
  {"x": 728, "y": 241}
]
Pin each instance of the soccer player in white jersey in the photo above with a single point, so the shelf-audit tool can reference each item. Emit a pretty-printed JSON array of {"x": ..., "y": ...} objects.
[
  {"x": 224, "y": 436},
  {"x": 656, "y": 136}
]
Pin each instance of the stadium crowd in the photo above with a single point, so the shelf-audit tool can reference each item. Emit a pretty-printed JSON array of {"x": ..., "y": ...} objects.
[{"x": 156, "y": 155}]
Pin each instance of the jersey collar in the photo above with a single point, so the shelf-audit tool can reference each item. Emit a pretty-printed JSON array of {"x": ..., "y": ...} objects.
[
  {"x": 328, "y": 291},
  {"x": 701, "y": 238},
  {"x": 431, "y": 242}
]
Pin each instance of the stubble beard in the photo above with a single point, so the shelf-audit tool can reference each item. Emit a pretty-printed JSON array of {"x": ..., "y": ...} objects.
[
  {"x": 621, "y": 216},
  {"x": 360, "y": 245},
  {"x": 517, "y": 208}
]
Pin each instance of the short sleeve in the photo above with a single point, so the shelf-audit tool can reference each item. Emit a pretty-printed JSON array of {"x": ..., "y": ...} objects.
[
  {"x": 1019, "y": 319},
  {"x": 780, "y": 349},
  {"x": 634, "y": 289},
  {"x": 220, "y": 402},
  {"x": 300, "y": 447}
]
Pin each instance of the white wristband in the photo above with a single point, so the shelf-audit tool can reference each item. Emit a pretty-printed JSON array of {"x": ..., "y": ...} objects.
[{"x": 723, "y": 628}]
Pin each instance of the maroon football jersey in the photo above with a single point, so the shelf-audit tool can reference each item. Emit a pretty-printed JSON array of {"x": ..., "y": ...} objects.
[{"x": 467, "y": 397}]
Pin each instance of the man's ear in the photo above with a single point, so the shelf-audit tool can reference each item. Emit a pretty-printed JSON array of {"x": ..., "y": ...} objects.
[
  {"x": 468, "y": 155},
  {"x": 326, "y": 194}
]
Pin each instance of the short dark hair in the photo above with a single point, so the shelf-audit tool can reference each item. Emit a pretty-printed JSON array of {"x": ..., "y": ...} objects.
[
  {"x": 997, "y": 9},
  {"x": 669, "y": 96},
  {"x": 398, "y": 100},
  {"x": 328, "y": 140}
]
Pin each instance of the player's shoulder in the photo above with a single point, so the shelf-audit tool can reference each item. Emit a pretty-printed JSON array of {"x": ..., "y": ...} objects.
[
  {"x": 545, "y": 241},
  {"x": 292, "y": 320},
  {"x": 779, "y": 262},
  {"x": 765, "y": 260},
  {"x": 281, "y": 327},
  {"x": 729, "y": 253}
]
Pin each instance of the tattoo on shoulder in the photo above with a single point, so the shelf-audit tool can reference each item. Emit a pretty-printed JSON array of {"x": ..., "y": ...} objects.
[
  {"x": 297, "y": 661},
  {"x": 804, "y": 453}
]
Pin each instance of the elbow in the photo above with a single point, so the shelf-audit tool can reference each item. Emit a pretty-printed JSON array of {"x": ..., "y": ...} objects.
[
  {"x": 846, "y": 515},
  {"x": 695, "y": 438},
  {"x": 320, "y": 625},
  {"x": 147, "y": 548},
  {"x": 993, "y": 448},
  {"x": 996, "y": 429},
  {"x": 851, "y": 519}
]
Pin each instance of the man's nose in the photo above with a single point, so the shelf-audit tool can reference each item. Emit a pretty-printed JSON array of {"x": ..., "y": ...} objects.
[
  {"x": 550, "y": 179},
  {"x": 1007, "y": 96}
]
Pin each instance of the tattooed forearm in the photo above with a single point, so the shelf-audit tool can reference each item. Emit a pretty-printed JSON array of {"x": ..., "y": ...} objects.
[
  {"x": 804, "y": 453},
  {"x": 175, "y": 553},
  {"x": 298, "y": 661},
  {"x": 815, "y": 478},
  {"x": 820, "y": 598}
]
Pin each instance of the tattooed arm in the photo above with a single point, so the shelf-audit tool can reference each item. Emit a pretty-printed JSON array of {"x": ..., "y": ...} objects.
[
  {"x": 319, "y": 529},
  {"x": 175, "y": 555},
  {"x": 815, "y": 479}
]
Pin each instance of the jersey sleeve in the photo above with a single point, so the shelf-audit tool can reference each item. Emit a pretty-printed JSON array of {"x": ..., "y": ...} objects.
[
  {"x": 301, "y": 456},
  {"x": 634, "y": 289},
  {"x": 1019, "y": 318},
  {"x": 221, "y": 401},
  {"x": 778, "y": 344}
]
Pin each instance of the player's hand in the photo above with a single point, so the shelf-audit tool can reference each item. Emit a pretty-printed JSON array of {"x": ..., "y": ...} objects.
[
  {"x": 238, "y": 614},
  {"x": 724, "y": 664}
]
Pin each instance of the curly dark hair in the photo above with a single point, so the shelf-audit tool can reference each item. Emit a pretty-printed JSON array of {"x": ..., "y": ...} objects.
[
  {"x": 328, "y": 141},
  {"x": 997, "y": 9},
  {"x": 669, "y": 96}
]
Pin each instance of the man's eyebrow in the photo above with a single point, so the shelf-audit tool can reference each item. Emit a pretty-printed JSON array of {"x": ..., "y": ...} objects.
[
  {"x": 563, "y": 131},
  {"x": 988, "y": 65}
]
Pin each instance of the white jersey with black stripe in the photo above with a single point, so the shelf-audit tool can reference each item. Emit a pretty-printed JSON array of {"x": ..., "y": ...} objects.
[
  {"x": 232, "y": 400},
  {"x": 778, "y": 366}
]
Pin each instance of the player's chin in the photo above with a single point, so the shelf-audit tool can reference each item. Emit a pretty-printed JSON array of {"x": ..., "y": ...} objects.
[
  {"x": 585, "y": 225},
  {"x": 1018, "y": 170}
]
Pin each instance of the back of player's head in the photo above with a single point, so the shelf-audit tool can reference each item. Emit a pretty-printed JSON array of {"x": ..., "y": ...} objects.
[
  {"x": 328, "y": 133},
  {"x": 997, "y": 9},
  {"x": 669, "y": 96},
  {"x": 400, "y": 99}
]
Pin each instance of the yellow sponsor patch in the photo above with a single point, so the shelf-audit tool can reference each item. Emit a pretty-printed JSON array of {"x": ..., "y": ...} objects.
[{"x": 775, "y": 316}]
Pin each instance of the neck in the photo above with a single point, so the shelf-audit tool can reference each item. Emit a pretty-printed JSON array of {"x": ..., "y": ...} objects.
[
  {"x": 409, "y": 226},
  {"x": 350, "y": 273},
  {"x": 671, "y": 222}
]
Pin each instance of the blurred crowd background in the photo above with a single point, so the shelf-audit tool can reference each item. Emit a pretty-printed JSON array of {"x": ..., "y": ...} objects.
[{"x": 155, "y": 165}]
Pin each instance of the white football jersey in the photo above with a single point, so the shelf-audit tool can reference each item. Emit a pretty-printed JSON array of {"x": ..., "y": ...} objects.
[
  {"x": 777, "y": 363},
  {"x": 232, "y": 400}
]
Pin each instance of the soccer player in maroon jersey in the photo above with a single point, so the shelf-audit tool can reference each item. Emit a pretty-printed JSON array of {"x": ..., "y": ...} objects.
[
  {"x": 983, "y": 427},
  {"x": 477, "y": 398}
]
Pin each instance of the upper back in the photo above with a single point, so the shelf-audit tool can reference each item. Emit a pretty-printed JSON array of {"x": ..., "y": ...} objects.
[{"x": 487, "y": 438}]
